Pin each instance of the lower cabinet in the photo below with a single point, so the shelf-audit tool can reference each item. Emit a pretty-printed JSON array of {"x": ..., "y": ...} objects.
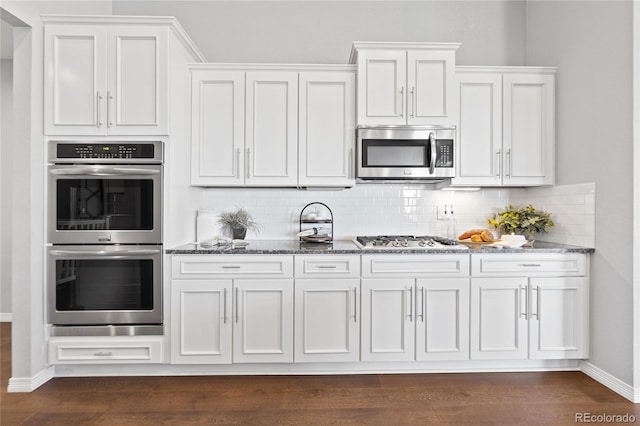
[
  {"x": 225, "y": 321},
  {"x": 327, "y": 320},
  {"x": 529, "y": 318},
  {"x": 388, "y": 307},
  {"x": 405, "y": 319}
]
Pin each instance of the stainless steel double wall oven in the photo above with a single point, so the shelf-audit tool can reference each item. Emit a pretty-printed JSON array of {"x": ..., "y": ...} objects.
[{"x": 105, "y": 230}]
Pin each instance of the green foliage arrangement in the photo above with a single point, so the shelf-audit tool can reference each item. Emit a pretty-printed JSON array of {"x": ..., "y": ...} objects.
[
  {"x": 521, "y": 220},
  {"x": 239, "y": 219}
]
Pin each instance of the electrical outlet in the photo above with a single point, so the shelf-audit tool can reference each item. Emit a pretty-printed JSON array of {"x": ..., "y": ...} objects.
[{"x": 444, "y": 211}]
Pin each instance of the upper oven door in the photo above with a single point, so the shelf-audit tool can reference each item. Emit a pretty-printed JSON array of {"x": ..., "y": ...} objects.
[
  {"x": 105, "y": 204},
  {"x": 405, "y": 153}
]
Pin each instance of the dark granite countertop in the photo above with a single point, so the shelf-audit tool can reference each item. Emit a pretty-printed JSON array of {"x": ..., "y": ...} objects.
[{"x": 348, "y": 247}]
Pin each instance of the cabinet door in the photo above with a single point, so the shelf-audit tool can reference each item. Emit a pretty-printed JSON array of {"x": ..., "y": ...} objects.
[
  {"x": 136, "y": 98},
  {"x": 263, "y": 320},
  {"x": 327, "y": 129},
  {"x": 442, "y": 323},
  {"x": 382, "y": 88},
  {"x": 479, "y": 154},
  {"x": 528, "y": 129},
  {"x": 201, "y": 322},
  {"x": 388, "y": 317},
  {"x": 431, "y": 88},
  {"x": 75, "y": 61},
  {"x": 558, "y": 323},
  {"x": 499, "y": 318},
  {"x": 327, "y": 320},
  {"x": 271, "y": 153},
  {"x": 217, "y": 128}
]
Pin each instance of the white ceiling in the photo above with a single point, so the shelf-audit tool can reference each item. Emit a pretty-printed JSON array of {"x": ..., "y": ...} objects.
[{"x": 6, "y": 40}]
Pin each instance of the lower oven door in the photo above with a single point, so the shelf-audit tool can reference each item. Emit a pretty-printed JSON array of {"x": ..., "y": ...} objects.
[{"x": 105, "y": 285}]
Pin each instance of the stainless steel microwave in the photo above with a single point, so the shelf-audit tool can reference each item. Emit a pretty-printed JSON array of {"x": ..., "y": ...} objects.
[{"x": 400, "y": 153}]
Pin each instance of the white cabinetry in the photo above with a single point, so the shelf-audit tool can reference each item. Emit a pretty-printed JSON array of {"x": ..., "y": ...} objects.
[
  {"x": 507, "y": 126},
  {"x": 529, "y": 306},
  {"x": 327, "y": 310},
  {"x": 405, "y": 83},
  {"x": 106, "y": 77},
  {"x": 231, "y": 309},
  {"x": 327, "y": 129},
  {"x": 415, "y": 307},
  {"x": 253, "y": 126}
]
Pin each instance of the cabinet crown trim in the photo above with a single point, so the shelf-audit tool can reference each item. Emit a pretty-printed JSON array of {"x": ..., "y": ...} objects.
[
  {"x": 168, "y": 21},
  {"x": 383, "y": 45},
  {"x": 271, "y": 67},
  {"x": 505, "y": 69}
]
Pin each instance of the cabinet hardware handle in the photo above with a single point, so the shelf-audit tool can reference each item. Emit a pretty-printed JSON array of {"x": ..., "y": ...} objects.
[
  {"x": 350, "y": 168},
  {"x": 230, "y": 266},
  {"x": 109, "y": 97},
  {"x": 410, "y": 304},
  {"x": 98, "y": 113},
  {"x": 237, "y": 163},
  {"x": 508, "y": 162},
  {"x": 537, "y": 312},
  {"x": 529, "y": 265},
  {"x": 104, "y": 354},
  {"x": 247, "y": 162},
  {"x": 523, "y": 312},
  {"x": 422, "y": 303},
  {"x": 224, "y": 307},
  {"x": 401, "y": 101},
  {"x": 326, "y": 266},
  {"x": 498, "y": 161},
  {"x": 237, "y": 304},
  {"x": 413, "y": 101},
  {"x": 355, "y": 304}
]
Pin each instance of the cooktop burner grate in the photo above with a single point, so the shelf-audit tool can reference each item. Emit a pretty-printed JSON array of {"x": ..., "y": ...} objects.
[{"x": 407, "y": 241}]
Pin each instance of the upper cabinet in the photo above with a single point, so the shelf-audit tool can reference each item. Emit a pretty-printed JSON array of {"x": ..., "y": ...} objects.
[
  {"x": 107, "y": 75},
  {"x": 405, "y": 83},
  {"x": 506, "y": 132},
  {"x": 272, "y": 126}
]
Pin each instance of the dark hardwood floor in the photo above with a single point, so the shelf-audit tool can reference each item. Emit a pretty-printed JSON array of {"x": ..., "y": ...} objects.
[{"x": 551, "y": 398}]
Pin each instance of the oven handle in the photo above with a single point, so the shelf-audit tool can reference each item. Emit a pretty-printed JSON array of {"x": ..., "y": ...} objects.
[
  {"x": 99, "y": 171},
  {"x": 107, "y": 254}
]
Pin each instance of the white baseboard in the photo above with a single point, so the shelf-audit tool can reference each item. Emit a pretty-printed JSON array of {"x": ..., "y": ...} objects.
[
  {"x": 610, "y": 381},
  {"x": 5, "y": 317},
  {"x": 29, "y": 384}
]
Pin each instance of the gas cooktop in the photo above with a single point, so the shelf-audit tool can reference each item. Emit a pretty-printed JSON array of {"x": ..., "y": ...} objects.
[{"x": 407, "y": 242}]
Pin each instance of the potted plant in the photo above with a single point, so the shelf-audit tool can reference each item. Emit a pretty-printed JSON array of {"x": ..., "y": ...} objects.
[
  {"x": 521, "y": 220},
  {"x": 238, "y": 222}
]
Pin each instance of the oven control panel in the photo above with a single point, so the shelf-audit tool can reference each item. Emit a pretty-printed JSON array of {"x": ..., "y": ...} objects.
[{"x": 96, "y": 152}]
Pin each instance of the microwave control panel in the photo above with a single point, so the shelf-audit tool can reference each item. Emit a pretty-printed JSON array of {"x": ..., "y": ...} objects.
[{"x": 444, "y": 153}]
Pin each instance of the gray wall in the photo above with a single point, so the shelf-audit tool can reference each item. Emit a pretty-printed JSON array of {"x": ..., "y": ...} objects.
[
  {"x": 591, "y": 43},
  {"x": 491, "y": 32}
]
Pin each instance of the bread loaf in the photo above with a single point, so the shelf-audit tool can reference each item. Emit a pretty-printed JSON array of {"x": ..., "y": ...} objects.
[{"x": 470, "y": 233}]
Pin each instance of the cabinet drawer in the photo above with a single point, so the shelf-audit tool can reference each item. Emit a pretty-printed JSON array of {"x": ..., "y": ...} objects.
[
  {"x": 556, "y": 264},
  {"x": 78, "y": 350},
  {"x": 235, "y": 266},
  {"x": 325, "y": 266},
  {"x": 415, "y": 265}
]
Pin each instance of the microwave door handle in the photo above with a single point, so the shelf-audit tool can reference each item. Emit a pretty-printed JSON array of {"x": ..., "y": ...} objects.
[{"x": 432, "y": 160}]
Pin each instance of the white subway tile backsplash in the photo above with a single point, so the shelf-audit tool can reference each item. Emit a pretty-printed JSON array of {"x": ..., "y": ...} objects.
[{"x": 408, "y": 209}]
